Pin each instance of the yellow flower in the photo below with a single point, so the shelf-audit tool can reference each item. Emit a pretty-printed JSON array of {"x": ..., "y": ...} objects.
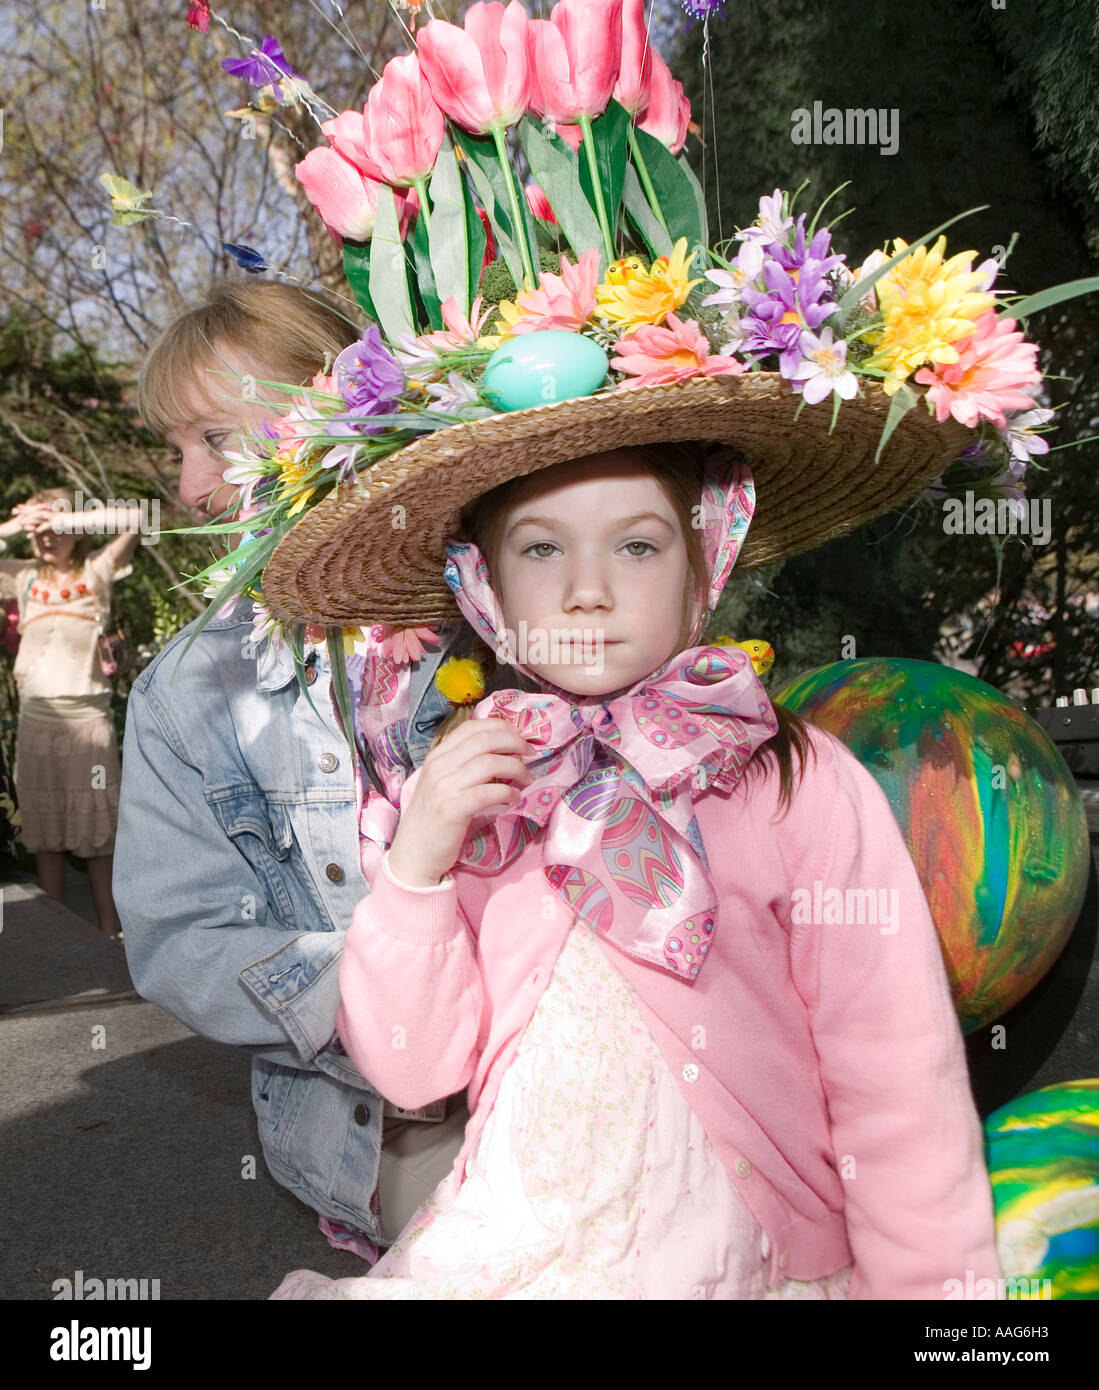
[
  {"x": 462, "y": 682},
  {"x": 928, "y": 304},
  {"x": 292, "y": 475},
  {"x": 632, "y": 295}
]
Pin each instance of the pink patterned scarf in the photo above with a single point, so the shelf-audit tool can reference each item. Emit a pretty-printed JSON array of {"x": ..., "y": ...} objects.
[{"x": 615, "y": 777}]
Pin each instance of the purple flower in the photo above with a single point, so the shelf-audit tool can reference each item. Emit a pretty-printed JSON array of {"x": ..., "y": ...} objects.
[
  {"x": 776, "y": 319},
  {"x": 797, "y": 256},
  {"x": 702, "y": 9},
  {"x": 369, "y": 378},
  {"x": 263, "y": 65}
]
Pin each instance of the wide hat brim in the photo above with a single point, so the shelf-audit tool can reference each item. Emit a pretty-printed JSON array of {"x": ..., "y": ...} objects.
[{"x": 373, "y": 550}]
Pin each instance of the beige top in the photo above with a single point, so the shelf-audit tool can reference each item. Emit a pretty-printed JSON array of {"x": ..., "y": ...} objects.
[{"x": 58, "y": 652}]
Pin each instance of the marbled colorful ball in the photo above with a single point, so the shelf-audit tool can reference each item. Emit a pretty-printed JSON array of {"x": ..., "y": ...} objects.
[
  {"x": 988, "y": 808},
  {"x": 1042, "y": 1152}
]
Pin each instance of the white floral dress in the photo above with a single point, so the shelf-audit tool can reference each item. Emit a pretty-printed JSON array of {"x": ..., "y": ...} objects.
[{"x": 592, "y": 1178}]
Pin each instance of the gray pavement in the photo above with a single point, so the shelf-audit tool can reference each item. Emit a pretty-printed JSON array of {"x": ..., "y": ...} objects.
[{"x": 123, "y": 1135}]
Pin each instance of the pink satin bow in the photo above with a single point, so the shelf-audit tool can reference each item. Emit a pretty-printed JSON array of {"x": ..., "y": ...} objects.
[{"x": 612, "y": 797}]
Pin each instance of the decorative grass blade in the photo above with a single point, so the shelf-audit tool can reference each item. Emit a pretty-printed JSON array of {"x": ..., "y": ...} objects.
[
  {"x": 340, "y": 687},
  {"x": 388, "y": 269},
  {"x": 1056, "y": 294},
  {"x": 902, "y": 402},
  {"x": 556, "y": 168},
  {"x": 675, "y": 190},
  {"x": 449, "y": 235},
  {"x": 356, "y": 266},
  {"x": 656, "y": 239},
  {"x": 859, "y": 288}
]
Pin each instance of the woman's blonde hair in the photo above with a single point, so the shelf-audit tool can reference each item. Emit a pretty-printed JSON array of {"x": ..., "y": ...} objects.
[
  {"x": 293, "y": 332},
  {"x": 679, "y": 469},
  {"x": 84, "y": 544}
]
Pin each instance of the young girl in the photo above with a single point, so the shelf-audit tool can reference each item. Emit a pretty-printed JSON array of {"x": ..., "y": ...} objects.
[
  {"x": 681, "y": 1083},
  {"x": 66, "y": 759}
]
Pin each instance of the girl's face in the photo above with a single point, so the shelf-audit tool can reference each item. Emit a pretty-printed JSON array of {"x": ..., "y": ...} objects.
[
  {"x": 594, "y": 561},
  {"x": 54, "y": 547},
  {"x": 209, "y": 425}
]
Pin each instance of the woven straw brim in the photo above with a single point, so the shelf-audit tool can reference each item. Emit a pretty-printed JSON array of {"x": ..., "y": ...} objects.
[{"x": 373, "y": 550}]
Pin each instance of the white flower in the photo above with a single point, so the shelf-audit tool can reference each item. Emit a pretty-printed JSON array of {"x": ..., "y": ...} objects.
[
  {"x": 1019, "y": 437},
  {"x": 265, "y": 627},
  {"x": 459, "y": 397},
  {"x": 247, "y": 470},
  {"x": 747, "y": 268},
  {"x": 824, "y": 368},
  {"x": 770, "y": 225}
]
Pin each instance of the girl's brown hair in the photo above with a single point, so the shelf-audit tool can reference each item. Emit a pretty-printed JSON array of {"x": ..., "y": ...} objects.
[
  {"x": 291, "y": 331},
  {"x": 84, "y": 543},
  {"x": 679, "y": 468}
]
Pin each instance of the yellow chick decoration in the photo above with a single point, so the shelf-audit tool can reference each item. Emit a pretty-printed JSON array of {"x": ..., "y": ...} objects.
[
  {"x": 760, "y": 653},
  {"x": 461, "y": 681}
]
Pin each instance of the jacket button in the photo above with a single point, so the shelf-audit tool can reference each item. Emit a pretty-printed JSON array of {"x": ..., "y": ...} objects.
[
  {"x": 328, "y": 762},
  {"x": 690, "y": 1072},
  {"x": 310, "y": 675},
  {"x": 362, "y": 1115},
  {"x": 334, "y": 873},
  {"x": 743, "y": 1168}
]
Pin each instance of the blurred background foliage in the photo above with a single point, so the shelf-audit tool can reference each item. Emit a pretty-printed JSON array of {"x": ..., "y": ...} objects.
[{"x": 996, "y": 106}]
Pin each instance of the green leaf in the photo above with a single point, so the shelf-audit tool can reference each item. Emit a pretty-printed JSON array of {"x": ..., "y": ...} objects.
[
  {"x": 859, "y": 288},
  {"x": 388, "y": 270},
  {"x": 484, "y": 169},
  {"x": 450, "y": 231},
  {"x": 902, "y": 402},
  {"x": 476, "y": 240},
  {"x": 675, "y": 191},
  {"x": 1056, "y": 294},
  {"x": 356, "y": 266},
  {"x": 426, "y": 292},
  {"x": 337, "y": 664},
  {"x": 700, "y": 200},
  {"x": 656, "y": 239},
  {"x": 556, "y": 168},
  {"x": 609, "y": 135}
]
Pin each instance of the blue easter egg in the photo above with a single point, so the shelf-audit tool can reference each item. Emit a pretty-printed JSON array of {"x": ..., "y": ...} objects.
[{"x": 547, "y": 365}]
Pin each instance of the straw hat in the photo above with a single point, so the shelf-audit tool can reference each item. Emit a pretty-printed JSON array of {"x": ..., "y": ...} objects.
[{"x": 373, "y": 550}]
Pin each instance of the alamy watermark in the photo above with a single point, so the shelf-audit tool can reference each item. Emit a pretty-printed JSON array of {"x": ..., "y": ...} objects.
[
  {"x": 1000, "y": 516},
  {"x": 90, "y": 1289},
  {"x": 853, "y": 125},
  {"x": 91, "y": 517},
  {"x": 846, "y": 907},
  {"x": 554, "y": 646}
]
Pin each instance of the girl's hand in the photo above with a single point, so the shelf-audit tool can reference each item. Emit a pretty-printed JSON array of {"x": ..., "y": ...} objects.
[
  {"x": 462, "y": 775},
  {"x": 29, "y": 517}
]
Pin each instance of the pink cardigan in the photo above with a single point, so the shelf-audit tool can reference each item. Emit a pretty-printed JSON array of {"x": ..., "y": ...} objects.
[{"x": 824, "y": 1059}]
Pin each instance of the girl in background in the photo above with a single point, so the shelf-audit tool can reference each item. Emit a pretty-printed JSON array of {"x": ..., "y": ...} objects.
[{"x": 67, "y": 770}]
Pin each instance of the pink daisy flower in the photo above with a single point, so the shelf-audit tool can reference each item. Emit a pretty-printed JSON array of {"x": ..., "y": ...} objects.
[
  {"x": 563, "y": 301},
  {"x": 402, "y": 645},
  {"x": 993, "y": 370},
  {"x": 672, "y": 352}
]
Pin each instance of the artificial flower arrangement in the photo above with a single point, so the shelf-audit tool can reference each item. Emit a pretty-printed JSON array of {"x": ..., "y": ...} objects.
[{"x": 486, "y": 294}]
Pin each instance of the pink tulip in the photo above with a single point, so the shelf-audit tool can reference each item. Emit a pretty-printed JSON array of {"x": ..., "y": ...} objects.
[
  {"x": 539, "y": 203},
  {"x": 346, "y": 200},
  {"x": 669, "y": 112},
  {"x": 479, "y": 74},
  {"x": 632, "y": 88},
  {"x": 570, "y": 134},
  {"x": 575, "y": 57},
  {"x": 403, "y": 126},
  {"x": 346, "y": 133}
]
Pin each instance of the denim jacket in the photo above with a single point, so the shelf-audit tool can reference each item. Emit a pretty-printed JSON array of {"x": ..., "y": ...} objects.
[{"x": 236, "y": 874}]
